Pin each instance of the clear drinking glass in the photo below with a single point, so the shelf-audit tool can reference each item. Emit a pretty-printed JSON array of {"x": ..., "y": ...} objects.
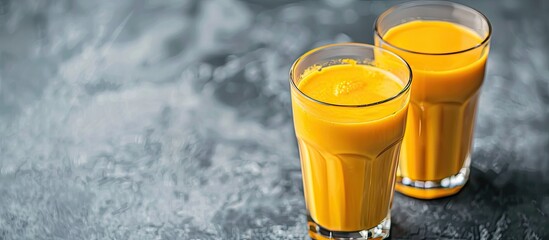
[
  {"x": 436, "y": 151},
  {"x": 349, "y": 153}
]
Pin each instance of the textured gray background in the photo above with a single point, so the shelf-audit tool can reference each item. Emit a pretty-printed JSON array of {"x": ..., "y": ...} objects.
[{"x": 171, "y": 120}]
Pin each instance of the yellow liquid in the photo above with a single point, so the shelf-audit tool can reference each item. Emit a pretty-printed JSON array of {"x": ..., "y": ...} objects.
[
  {"x": 445, "y": 91},
  {"x": 348, "y": 166}
]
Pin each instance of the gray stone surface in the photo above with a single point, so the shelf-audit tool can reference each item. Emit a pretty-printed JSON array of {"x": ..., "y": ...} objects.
[{"x": 139, "y": 119}]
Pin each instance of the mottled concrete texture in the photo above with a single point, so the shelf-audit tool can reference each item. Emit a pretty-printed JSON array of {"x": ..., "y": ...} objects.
[{"x": 171, "y": 120}]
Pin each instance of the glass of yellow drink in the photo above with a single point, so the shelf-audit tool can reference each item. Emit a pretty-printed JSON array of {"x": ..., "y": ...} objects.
[
  {"x": 349, "y": 104},
  {"x": 447, "y": 45}
]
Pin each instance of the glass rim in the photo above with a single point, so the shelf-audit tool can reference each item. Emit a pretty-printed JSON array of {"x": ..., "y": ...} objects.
[
  {"x": 401, "y": 92},
  {"x": 433, "y": 2}
]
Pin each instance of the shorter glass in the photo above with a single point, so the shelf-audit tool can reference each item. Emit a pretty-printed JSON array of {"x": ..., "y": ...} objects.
[
  {"x": 349, "y": 153},
  {"x": 436, "y": 151}
]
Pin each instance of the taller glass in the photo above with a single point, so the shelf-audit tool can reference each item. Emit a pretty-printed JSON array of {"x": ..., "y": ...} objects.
[
  {"x": 447, "y": 45},
  {"x": 349, "y": 151}
]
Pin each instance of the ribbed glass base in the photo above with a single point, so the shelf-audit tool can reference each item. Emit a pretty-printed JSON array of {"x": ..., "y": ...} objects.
[
  {"x": 381, "y": 231},
  {"x": 432, "y": 189}
]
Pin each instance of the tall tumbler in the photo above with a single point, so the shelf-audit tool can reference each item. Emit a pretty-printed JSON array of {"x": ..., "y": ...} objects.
[
  {"x": 349, "y": 105},
  {"x": 447, "y": 45}
]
